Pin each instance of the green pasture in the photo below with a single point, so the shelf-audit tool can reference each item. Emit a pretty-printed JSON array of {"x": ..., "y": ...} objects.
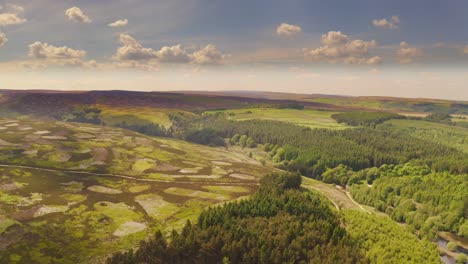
[
  {"x": 137, "y": 115},
  {"x": 306, "y": 117}
]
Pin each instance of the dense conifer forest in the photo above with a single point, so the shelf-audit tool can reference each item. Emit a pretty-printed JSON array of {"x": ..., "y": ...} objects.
[
  {"x": 282, "y": 223},
  {"x": 279, "y": 224},
  {"x": 312, "y": 151},
  {"x": 365, "y": 118}
]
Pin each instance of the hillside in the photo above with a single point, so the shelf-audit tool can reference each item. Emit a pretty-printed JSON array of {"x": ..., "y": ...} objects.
[
  {"x": 94, "y": 190},
  {"x": 100, "y": 172}
]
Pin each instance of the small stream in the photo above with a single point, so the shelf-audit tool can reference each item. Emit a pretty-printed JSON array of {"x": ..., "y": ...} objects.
[
  {"x": 441, "y": 242},
  {"x": 447, "y": 259}
]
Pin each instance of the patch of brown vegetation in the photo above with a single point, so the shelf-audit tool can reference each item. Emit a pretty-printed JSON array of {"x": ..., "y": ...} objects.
[
  {"x": 100, "y": 154},
  {"x": 27, "y": 214}
]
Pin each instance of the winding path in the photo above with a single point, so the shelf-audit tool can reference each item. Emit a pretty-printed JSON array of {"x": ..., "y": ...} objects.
[
  {"x": 356, "y": 203},
  {"x": 339, "y": 197}
]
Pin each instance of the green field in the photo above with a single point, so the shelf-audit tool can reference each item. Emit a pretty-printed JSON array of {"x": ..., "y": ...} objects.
[
  {"x": 137, "y": 115},
  {"x": 74, "y": 193},
  {"x": 351, "y": 101},
  {"x": 395, "y": 104},
  {"x": 307, "y": 117}
]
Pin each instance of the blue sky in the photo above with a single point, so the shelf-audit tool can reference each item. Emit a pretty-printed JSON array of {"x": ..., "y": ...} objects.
[{"x": 416, "y": 48}]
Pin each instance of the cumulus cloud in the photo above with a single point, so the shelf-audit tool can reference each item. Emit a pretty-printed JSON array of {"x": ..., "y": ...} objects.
[
  {"x": 3, "y": 39},
  {"x": 209, "y": 55},
  {"x": 45, "y": 55},
  {"x": 119, "y": 23},
  {"x": 10, "y": 19},
  {"x": 374, "y": 60},
  {"x": 11, "y": 15},
  {"x": 407, "y": 54},
  {"x": 41, "y": 50},
  {"x": 285, "y": 29},
  {"x": 174, "y": 54},
  {"x": 334, "y": 38},
  {"x": 391, "y": 23},
  {"x": 76, "y": 14},
  {"x": 132, "y": 50},
  {"x": 339, "y": 48}
]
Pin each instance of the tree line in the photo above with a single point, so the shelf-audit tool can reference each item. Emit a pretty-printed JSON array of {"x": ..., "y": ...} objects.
[
  {"x": 365, "y": 118},
  {"x": 312, "y": 151}
]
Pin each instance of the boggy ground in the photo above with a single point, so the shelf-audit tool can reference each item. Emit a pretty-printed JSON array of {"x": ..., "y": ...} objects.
[{"x": 74, "y": 193}]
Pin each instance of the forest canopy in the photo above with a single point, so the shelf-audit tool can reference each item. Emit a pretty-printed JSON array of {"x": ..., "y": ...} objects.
[{"x": 279, "y": 224}]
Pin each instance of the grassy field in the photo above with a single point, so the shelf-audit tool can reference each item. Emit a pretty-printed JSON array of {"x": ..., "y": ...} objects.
[
  {"x": 336, "y": 196},
  {"x": 307, "y": 117},
  {"x": 452, "y": 136},
  {"x": 349, "y": 102},
  {"x": 395, "y": 104},
  {"x": 73, "y": 193},
  {"x": 137, "y": 115}
]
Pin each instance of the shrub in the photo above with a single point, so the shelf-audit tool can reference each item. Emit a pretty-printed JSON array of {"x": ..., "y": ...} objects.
[{"x": 451, "y": 246}]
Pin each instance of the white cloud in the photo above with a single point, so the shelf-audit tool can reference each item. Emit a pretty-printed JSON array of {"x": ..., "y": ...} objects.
[
  {"x": 339, "y": 48},
  {"x": 45, "y": 55},
  {"x": 174, "y": 54},
  {"x": 132, "y": 50},
  {"x": 41, "y": 50},
  {"x": 407, "y": 54},
  {"x": 128, "y": 40},
  {"x": 285, "y": 29},
  {"x": 76, "y": 14},
  {"x": 334, "y": 38},
  {"x": 10, "y": 19},
  {"x": 3, "y": 39},
  {"x": 208, "y": 55},
  {"x": 119, "y": 23},
  {"x": 11, "y": 15},
  {"x": 374, "y": 60},
  {"x": 391, "y": 23}
]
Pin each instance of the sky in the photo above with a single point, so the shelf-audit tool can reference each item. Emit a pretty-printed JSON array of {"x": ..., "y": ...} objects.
[{"x": 416, "y": 48}]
